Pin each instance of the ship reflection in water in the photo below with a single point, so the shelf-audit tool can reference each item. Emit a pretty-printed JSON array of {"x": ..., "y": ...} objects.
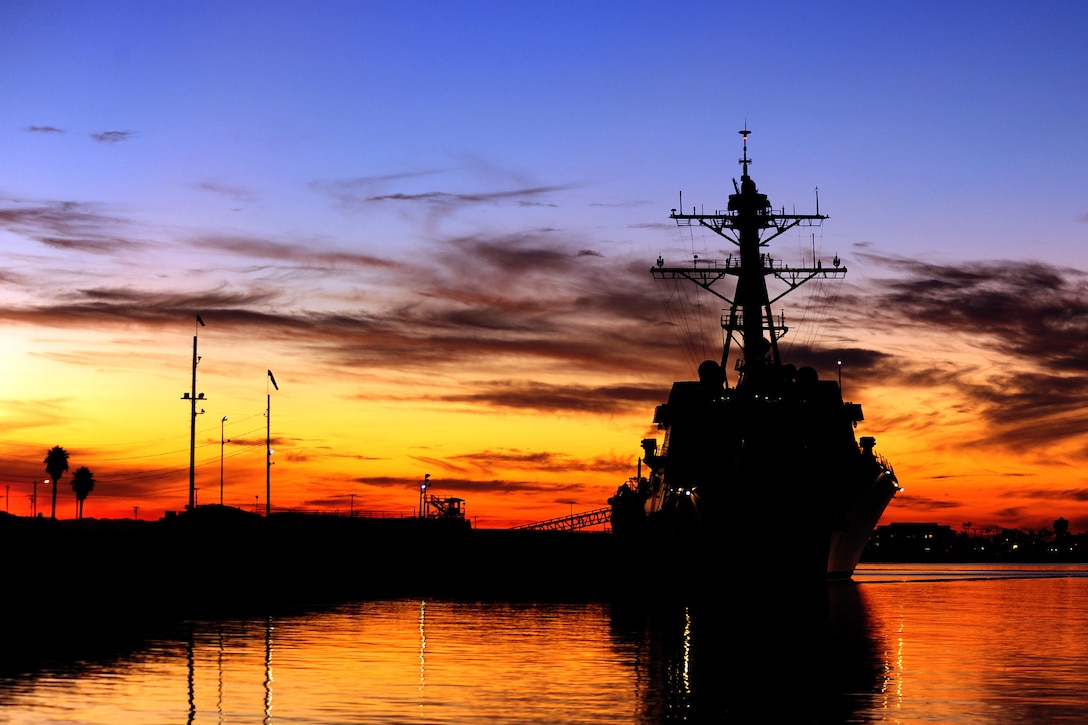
[{"x": 950, "y": 645}]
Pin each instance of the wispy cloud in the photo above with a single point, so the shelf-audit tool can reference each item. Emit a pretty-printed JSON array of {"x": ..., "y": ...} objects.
[
  {"x": 236, "y": 193},
  {"x": 113, "y": 136},
  {"x": 1030, "y": 316},
  {"x": 354, "y": 192},
  {"x": 481, "y": 197},
  {"x": 295, "y": 253},
  {"x": 530, "y": 395},
  {"x": 68, "y": 226}
]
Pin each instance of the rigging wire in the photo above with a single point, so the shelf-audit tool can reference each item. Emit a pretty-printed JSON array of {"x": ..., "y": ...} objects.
[
  {"x": 687, "y": 313},
  {"x": 819, "y": 298}
]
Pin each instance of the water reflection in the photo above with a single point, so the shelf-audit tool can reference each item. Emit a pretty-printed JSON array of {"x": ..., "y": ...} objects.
[
  {"x": 984, "y": 646},
  {"x": 453, "y": 662},
  {"x": 268, "y": 670},
  {"x": 890, "y": 649},
  {"x": 802, "y": 656}
]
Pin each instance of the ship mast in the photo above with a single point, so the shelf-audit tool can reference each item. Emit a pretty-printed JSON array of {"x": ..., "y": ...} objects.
[{"x": 750, "y": 224}]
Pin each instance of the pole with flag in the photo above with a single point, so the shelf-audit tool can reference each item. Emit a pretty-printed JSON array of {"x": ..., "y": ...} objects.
[
  {"x": 268, "y": 448},
  {"x": 192, "y": 396}
]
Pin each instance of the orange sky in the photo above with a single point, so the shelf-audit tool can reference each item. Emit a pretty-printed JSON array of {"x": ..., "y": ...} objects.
[{"x": 440, "y": 242}]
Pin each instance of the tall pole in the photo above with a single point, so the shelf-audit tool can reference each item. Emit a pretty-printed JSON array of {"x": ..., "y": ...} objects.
[
  {"x": 192, "y": 426},
  {"x": 268, "y": 456},
  {"x": 222, "y": 442},
  {"x": 192, "y": 436},
  {"x": 34, "y": 499},
  {"x": 268, "y": 448},
  {"x": 423, "y": 494}
]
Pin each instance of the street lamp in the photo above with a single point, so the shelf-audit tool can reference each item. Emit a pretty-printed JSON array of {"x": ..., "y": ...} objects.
[
  {"x": 570, "y": 521},
  {"x": 34, "y": 498},
  {"x": 423, "y": 493},
  {"x": 351, "y": 508},
  {"x": 222, "y": 442},
  {"x": 193, "y": 397}
]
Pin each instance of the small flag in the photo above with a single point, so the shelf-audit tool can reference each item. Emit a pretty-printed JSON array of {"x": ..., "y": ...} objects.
[
  {"x": 273, "y": 379},
  {"x": 200, "y": 321}
]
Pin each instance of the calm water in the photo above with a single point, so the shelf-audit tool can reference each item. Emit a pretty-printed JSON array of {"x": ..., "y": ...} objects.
[{"x": 952, "y": 644}]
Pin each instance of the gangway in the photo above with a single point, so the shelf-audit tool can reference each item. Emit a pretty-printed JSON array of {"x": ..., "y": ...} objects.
[{"x": 572, "y": 522}]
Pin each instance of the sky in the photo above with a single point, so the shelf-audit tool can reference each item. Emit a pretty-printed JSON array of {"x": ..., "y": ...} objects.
[{"x": 434, "y": 223}]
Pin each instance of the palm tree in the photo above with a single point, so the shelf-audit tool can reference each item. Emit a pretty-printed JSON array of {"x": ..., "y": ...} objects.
[
  {"x": 56, "y": 463},
  {"x": 82, "y": 484}
]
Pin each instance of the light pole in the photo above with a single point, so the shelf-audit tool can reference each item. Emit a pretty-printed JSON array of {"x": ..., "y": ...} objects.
[
  {"x": 222, "y": 442},
  {"x": 268, "y": 449},
  {"x": 192, "y": 422},
  {"x": 423, "y": 493},
  {"x": 570, "y": 520},
  {"x": 351, "y": 508},
  {"x": 34, "y": 498}
]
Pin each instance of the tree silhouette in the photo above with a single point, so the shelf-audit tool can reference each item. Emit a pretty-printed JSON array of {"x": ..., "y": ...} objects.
[
  {"x": 82, "y": 484},
  {"x": 56, "y": 463}
]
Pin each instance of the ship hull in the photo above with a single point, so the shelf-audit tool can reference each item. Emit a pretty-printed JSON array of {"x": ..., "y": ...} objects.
[{"x": 773, "y": 486}]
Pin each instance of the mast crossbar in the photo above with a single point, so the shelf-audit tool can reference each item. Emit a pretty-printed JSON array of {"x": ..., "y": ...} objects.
[
  {"x": 704, "y": 276},
  {"x": 705, "y": 273},
  {"x": 725, "y": 223},
  {"x": 792, "y": 277}
]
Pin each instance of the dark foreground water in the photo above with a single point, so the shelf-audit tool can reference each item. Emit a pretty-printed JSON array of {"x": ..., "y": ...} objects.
[{"x": 902, "y": 644}]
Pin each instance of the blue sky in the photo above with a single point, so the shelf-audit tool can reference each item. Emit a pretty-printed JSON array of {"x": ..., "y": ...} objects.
[
  {"x": 480, "y": 186},
  {"x": 901, "y": 113}
]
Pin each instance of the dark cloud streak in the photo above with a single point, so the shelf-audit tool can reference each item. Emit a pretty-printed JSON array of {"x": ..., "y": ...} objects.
[
  {"x": 68, "y": 226},
  {"x": 113, "y": 136},
  {"x": 1029, "y": 318}
]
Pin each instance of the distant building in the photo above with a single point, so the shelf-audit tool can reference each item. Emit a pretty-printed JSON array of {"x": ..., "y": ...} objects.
[
  {"x": 922, "y": 542},
  {"x": 911, "y": 542}
]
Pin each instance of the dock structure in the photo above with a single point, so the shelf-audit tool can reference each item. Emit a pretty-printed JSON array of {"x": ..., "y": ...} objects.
[{"x": 572, "y": 522}]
